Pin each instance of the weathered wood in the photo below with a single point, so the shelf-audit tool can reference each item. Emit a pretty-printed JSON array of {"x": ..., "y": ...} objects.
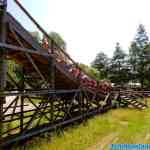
[
  {"x": 27, "y": 50},
  {"x": 56, "y": 107},
  {"x": 29, "y": 57},
  {"x": 2, "y": 64}
]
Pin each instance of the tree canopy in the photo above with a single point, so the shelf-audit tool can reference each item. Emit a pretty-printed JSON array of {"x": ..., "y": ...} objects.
[
  {"x": 118, "y": 69},
  {"x": 58, "y": 39},
  {"x": 36, "y": 35},
  {"x": 137, "y": 51},
  {"x": 101, "y": 64},
  {"x": 93, "y": 72},
  {"x": 122, "y": 67}
]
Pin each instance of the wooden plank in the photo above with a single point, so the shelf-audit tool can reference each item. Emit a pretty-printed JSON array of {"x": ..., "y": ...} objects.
[
  {"x": 23, "y": 32},
  {"x": 3, "y": 66},
  {"x": 17, "y": 48}
]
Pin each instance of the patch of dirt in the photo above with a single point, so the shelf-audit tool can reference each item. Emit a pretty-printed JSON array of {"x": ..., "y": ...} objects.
[
  {"x": 147, "y": 137},
  {"x": 124, "y": 123},
  {"x": 109, "y": 139}
]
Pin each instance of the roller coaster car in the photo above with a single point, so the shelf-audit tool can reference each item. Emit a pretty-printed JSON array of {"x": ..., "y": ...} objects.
[{"x": 104, "y": 87}]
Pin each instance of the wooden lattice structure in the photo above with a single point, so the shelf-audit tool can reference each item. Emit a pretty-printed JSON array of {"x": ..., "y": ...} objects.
[{"x": 46, "y": 96}]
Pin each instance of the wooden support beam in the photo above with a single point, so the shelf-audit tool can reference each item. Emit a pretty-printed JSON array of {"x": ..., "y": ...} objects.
[
  {"x": 52, "y": 68},
  {"x": 13, "y": 81},
  {"x": 28, "y": 56},
  {"x": 22, "y": 102},
  {"x": 59, "y": 49},
  {"x": 13, "y": 112},
  {"x": 2, "y": 63},
  {"x": 42, "y": 30},
  {"x": 9, "y": 106},
  {"x": 27, "y": 50}
]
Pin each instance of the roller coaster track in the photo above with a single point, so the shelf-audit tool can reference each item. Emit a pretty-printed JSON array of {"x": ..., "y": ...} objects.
[
  {"x": 132, "y": 98},
  {"x": 47, "y": 96}
]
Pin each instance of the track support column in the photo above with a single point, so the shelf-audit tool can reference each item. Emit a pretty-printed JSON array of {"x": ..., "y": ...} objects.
[
  {"x": 52, "y": 80},
  {"x": 22, "y": 101},
  {"x": 3, "y": 65}
]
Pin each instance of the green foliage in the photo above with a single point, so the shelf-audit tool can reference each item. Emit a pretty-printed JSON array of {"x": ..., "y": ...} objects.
[
  {"x": 54, "y": 35},
  {"x": 10, "y": 65},
  {"x": 36, "y": 36},
  {"x": 138, "y": 50},
  {"x": 118, "y": 71},
  {"x": 122, "y": 68},
  {"x": 114, "y": 69},
  {"x": 15, "y": 70},
  {"x": 115, "y": 126},
  {"x": 119, "y": 54},
  {"x": 141, "y": 38},
  {"x": 18, "y": 71},
  {"x": 101, "y": 64},
  {"x": 58, "y": 39},
  {"x": 91, "y": 71}
]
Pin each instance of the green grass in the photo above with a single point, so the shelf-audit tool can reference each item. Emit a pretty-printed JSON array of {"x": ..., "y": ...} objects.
[{"x": 116, "y": 126}]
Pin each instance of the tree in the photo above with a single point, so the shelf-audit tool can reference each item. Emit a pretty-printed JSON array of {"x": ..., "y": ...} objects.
[
  {"x": 101, "y": 64},
  {"x": 36, "y": 35},
  {"x": 141, "y": 38},
  {"x": 137, "y": 51},
  {"x": 118, "y": 69},
  {"x": 53, "y": 35},
  {"x": 91, "y": 71},
  {"x": 58, "y": 39},
  {"x": 119, "y": 54}
]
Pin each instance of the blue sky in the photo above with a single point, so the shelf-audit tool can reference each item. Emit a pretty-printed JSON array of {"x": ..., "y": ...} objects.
[{"x": 88, "y": 26}]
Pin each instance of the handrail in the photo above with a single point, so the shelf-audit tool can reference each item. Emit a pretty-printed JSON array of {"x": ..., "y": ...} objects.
[{"x": 47, "y": 36}]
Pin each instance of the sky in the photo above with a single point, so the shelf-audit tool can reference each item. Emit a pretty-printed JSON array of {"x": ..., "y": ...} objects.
[{"x": 87, "y": 26}]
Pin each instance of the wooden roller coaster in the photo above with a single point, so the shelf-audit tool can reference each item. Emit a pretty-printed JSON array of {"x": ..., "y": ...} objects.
[{"x": 52, "y": 91}]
